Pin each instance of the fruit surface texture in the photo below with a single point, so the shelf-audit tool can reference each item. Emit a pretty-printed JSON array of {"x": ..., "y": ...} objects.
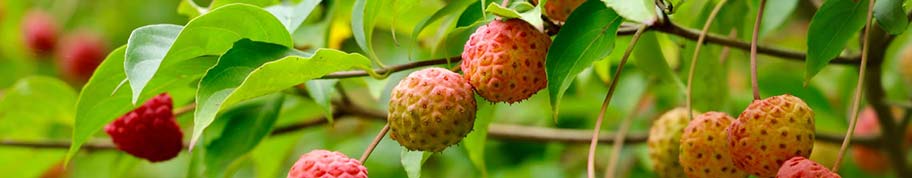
[
  {"x": 664, "y": 142},
  {"x": 431, "y": 109},
  {"x": 800, "y": 167},
  {"x": 504, "y": 60},
  {"x": 149, "y": 132},
  {"x": 704, "y": 147},
  {"x": 327, "y": 164},
  {"x": 80, "y": 54},
  {"x": 559, "y": 10},
  {"x": 769, "y": 132}
]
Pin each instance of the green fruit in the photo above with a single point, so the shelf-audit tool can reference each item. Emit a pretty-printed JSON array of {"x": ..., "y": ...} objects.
[
  {"x": 431, "y": 109},
  {"x": 769, "y": 132},
  {"x": 664, "y": 142},
  {"x": 704, "y": 147}
]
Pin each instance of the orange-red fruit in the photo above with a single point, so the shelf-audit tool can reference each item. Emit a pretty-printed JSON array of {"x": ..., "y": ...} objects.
[
  {"x": 867, "y": 158},
  {"x": 431, "y": 109},
  {"x": 769, "y": 132},
  {"x": 39, "y": 32},
  {"x": 800, "y": 167},
  {"x": 559, "y": 10},
  {"x": 79, "y": 55},
  {"x": 327, "y": 164},
  {"x": 704, "y": 147},
  {"x": 505, "y": 60},
  {"x": 149, "y": 132}
]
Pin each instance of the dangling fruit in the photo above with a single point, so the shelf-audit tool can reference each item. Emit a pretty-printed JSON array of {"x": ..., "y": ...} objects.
[
  {"x": 799, "y": 167},
  {"x": 323, "y": 163},
  {"x": 664, "y": 142},
  {"x": 704, "y": 147},
  {"x": 149, "y": 132},
  {"x": 559, "y": 10},
  {"x": 431, "y": 109},
  {"x": 769, "y": 132},
  {"x": 505, "y": 60}
]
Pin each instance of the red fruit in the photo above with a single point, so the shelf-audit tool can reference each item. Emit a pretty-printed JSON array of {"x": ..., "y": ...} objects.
[
  {"x": 769, "y": 132},
  {"x": 79, "y": 55},
  {"x": 149, "y": 132},
  {"x": 327, "y": 164},
  {"x": 559, "y": 10},
  {"x": 505, "y": 60},
  {"x": 799, "y": 167},
  {"x": 39, "y": 32}
]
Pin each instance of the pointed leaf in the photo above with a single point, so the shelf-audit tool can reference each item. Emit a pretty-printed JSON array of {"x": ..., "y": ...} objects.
[
  {"x": 640, "y": 11},
  {"x": 649, "y": 58},
  {"x": 293, "y": 16},
  {"x": 581, "y": 41},
  {"x": 248, "y": 124},
  {"x": 830, "y": 30},
  {"x": 452, "y": 8},
  {"x": 412, "y": 162},
  {"x": 321, "y": 91},
  {"x": 261, "y": 3},
  {"x": 364, "y": 17}
]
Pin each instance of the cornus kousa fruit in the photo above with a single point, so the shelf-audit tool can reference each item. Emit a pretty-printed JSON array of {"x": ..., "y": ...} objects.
[
  {"x": 431, "y": 109},
  {"x": 149, "y": 132},
  {"x": 559, "y": 10},
  {"x": 79, "y": 55},
  {"x": 328, "y": 164},
  {"x": 704, "y": 147},
  {"x": 769, "y": 132},
  {"x": 800, "y": 167},
  {"x": 664, "y": 142},
  {"x": 39, "y": 32},
  {"x": 504, "y": 60}
]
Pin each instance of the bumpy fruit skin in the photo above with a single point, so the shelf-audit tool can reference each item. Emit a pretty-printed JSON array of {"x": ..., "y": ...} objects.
[
  {"x": 327, "y": 164},
  {"x": 664, "y": 142},
  {"x": 704, "y": 147},
  {"x": 559, "y": 10},
  {"x": 505, "y": 60},
  {"x": 149, "y": 132},
  {"x": 39, "y": 32},
  {"x": 431, "y": 109},
  {"x": 769, "y": 132},
  {"x": 800, "y": 167},
  {"x": 80, "y": 54}
]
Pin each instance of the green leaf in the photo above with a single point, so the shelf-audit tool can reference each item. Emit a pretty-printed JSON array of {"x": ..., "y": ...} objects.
[
  {"x": 533, "y": 16},
  {"x": 649, "y": 58},
  {"x": 831, "y": 28},
  {"x": 779, "y": 10},
  {"x": 364, "y": 17},
  {"x": 474, "y": 142},
  {"x": 321, "y": 91},
  {"x": 891, "y": 16},
  {"x": 261, "y": 3},
  {"x": 250, "y": 69},
  {"x": 640, "y": 11},
  {"x": 452, "y": 8},
  {"x": 293, "y": 16},
  {"x": 190, "y": 9},
  {"x": 412, "y": 161},
  {"x": 207, "y": 35},
  {"x": 581, "y": 41},
  {"x": 37, "y": 101},
  {"x": 498, "y": 10},
  {"x": 248, "y": 124}
]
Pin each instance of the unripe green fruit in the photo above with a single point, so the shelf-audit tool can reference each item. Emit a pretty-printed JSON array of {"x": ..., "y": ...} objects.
[
  {"x": 769, "y": 132},
  {"x": 431, "y": 109},
  {"x": 664, "y": 142},
  {"x": 704, "y": 147}
]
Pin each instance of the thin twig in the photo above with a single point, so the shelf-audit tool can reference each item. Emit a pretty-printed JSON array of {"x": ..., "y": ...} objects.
[
  {"x": 726, "y": 51},
  {"x": 184, "y": 110},
  {"x": 377, "y": 139},
  {"x": 620, "y": 135},
  {"x": 696, "y": 55},
  {"x": 753, "y": 51},
  {"x": 614, "y": 81},
  {"x": 392, "y": 68},
  {"x": 856, "y": 99}
]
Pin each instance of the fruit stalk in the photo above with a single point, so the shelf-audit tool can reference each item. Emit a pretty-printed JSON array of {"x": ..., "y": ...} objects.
[
  {"x": 856, "y": 99},
  {"x": 693, "y": 60},
  {"x": 370, "y": 148},
  {"x": 753, "y": 53}
]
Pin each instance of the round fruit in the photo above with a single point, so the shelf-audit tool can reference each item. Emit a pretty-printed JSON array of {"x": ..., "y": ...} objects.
[
  {"x": 704, "y": 147},
  {"x": 79, "y": 55},
  {"x": 431, "y": 109},
  {"x": 664, "y": 142},
  {"x": 769, "y": 132},
  {"x": 867, "y": 158},
  {"x": 39, "y": 32},
  {"x": 505, "y": 60},
  {"x": 149, "y": 132},
  {"x": 799, "y": 167},
  {"x": 559, "y": 10},
  {"x": 322, "y": 163}
]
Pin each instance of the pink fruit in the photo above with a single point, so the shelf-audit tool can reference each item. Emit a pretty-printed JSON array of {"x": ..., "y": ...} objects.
[
  {"x": 80, "y": 54},
  {"x": 799, "y": 167},
  {"x": 327, "y": 164},
  {"x": 39, "y": 32},
  {"x": 505, "y": 60},
  {"x": 769, "y": 132},
  {"x": 149, "y": 132},
  {"x": 704, "y": 147}
]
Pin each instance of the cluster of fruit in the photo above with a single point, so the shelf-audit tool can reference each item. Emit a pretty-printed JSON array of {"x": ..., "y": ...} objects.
[
  {"x": 77, "y": 54},
  {"x": 771, "y": 138}
]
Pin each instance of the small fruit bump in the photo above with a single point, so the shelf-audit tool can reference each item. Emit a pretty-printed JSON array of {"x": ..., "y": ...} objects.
[
  {"x": 800, "y": 167},
  {"x": 80, "y": 54},
  {"x": 328, "y": 164},
  {"x": 39, "y": 31},
  {"x": 704, "y": 147},
  {"x": 664, "y": 142},
  {"x": 769, "y": 132},
  {"x": 505, "y": 60},
  {"x": 431, "y": 109},
  {"x": 149, "y": 132}
]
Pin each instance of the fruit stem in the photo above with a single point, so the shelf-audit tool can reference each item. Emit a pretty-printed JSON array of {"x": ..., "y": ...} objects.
[
  {"x": 693, "y": 60},
  {"x": 620, "y": 135},
  {"x": 590, "y": 165},
  {"x": 370, "y": 148},
  {"x": 753, "y": 54},
  {"x": 856, "y": 99}
]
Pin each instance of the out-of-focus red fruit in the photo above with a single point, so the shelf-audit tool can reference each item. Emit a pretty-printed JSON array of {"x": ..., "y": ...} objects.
[
  {"x": 39, "y": 32},
  {"x": 869, "y": 159},
  {"x": 79, "y": 55}
]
